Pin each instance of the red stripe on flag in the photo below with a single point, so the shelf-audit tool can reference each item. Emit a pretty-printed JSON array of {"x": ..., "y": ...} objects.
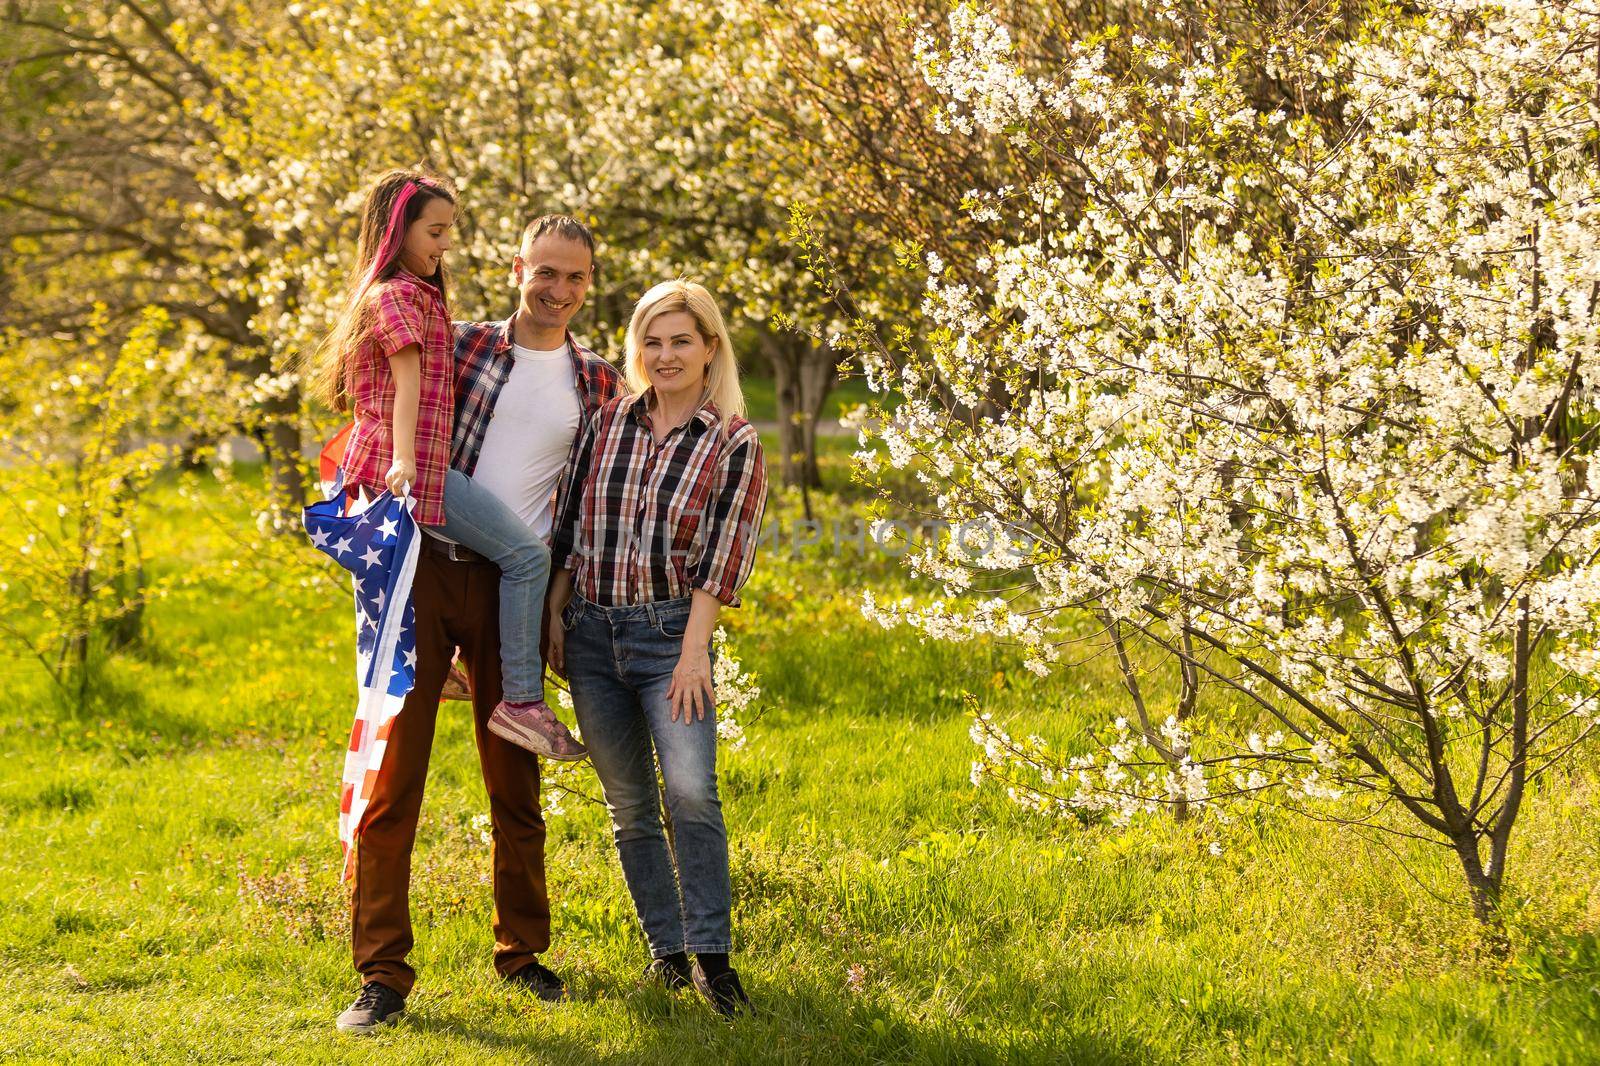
[
  {"x": 347, "y": 795},
  {"x": 355, "y": 734},
  {"x": 333, "y": 453},
  {"x": 368, "y": 783},
  {"x": 383, "y": 730}
]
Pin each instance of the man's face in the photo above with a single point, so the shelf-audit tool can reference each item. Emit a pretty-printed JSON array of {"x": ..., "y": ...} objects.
[{"x": 554, "y": 275}]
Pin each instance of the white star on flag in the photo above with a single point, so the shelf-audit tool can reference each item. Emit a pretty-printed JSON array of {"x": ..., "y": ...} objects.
[
  {"x": 386, "y": 529},
  {"x": 319, "y": 539},
  {"x": 342, "y": 547},
  {"x": 371, "y": 557}
]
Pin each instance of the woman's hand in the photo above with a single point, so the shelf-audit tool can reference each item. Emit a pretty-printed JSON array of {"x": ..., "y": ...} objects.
[
  {"x": 555, "y": 639},
  {"x": 557, "y": 596},
  {"x": 690, "y": 689},
  {"x": 691, "y": 680},
  {"x": 402, "y": 472}
]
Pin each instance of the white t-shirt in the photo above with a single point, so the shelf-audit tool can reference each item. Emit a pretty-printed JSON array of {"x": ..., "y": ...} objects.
[{"x": 525, "y": 448}]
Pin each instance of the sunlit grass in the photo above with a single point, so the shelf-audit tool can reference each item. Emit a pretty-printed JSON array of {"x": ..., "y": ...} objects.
[{"x": 169, "y": 870}]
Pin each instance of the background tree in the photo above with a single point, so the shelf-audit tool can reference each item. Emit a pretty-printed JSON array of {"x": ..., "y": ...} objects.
[
  {"x": 119, "y": 190},
  {"x": 1299, "y": 397},
  {"x": 75, "y": 463}
]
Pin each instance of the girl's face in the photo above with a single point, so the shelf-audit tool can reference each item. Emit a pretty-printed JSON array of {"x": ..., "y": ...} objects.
[
  {"x": 428, "y": 238},
  {"x": 676, "y": 356}
]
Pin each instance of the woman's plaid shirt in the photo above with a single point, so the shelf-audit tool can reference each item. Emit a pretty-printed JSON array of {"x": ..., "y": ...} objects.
[{"x": 642, "y": 521}]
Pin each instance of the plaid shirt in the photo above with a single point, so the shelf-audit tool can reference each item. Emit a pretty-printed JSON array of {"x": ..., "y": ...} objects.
[
  {"x": 405, "y": 310},
  {"x": 644, "y": 521},
  {"x": 483, "y": 364}
]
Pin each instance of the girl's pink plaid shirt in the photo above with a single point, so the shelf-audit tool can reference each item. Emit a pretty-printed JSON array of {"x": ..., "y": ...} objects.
[{"x": 405, "y": 310}]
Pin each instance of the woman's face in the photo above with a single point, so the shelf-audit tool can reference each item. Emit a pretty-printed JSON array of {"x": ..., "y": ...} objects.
[
  {"x": 428, "y": 238},
  {"x": 676, "y": 356}
]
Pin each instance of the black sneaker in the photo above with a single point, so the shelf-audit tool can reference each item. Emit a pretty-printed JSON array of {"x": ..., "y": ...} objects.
[
  {"x": 671, "y": 975},
  {"x": 539, "y": 980},
  {"x": 723, "y": 992},
  {"x": 374, "y": 1007}
]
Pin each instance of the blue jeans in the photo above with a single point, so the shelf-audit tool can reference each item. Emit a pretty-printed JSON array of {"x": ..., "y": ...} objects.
[
  {"x": 619, "y": 663},
  {"x": 476, "y": 517}
]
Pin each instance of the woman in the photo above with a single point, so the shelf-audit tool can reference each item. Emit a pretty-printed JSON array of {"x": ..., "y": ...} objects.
[{"x": 658, "y": 533}]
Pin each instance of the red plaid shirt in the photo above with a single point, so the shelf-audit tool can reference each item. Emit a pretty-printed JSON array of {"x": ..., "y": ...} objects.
[
  {"x": 405, "y": 310},
  {"x": 643, "y": 522},
  {"x": 483, "y": 363}
]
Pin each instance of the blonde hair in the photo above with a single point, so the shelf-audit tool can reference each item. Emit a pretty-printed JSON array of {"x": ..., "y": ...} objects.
[{"x": 722, "y": 376}]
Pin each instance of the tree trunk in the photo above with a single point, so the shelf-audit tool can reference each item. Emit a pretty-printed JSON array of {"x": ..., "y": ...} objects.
[
  {"x": 285, "y": 466},
  {"x": 275, "y": 427},
  {"x": 803, "y": 375},
  {"x": 817, "y": 379},
  {"x": 1483, "y": 890},
  {"x": 125, "y": 627},
  {"x": 278, "y": 434}
]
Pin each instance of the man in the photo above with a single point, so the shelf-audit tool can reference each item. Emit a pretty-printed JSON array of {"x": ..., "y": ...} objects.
[{"x": 523, "y": 389}]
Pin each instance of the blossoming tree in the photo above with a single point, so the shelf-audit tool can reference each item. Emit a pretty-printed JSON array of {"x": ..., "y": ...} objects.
[{"x": 1297, "y": 396}]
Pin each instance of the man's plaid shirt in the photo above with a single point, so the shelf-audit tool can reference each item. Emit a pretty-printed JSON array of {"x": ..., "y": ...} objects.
[{"x": 483, "y": 363}]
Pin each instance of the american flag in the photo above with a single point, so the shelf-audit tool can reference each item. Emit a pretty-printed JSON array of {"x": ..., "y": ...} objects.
[{"x": 379, "y": 546}]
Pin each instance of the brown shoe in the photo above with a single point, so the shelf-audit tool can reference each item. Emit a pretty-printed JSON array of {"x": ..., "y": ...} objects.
[
  {"x": 456, "y": 685},
  {"x": 534, "y": 726}
]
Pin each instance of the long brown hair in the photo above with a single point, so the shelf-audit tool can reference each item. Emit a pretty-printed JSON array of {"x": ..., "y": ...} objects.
[{"x": 332, "y": 357}]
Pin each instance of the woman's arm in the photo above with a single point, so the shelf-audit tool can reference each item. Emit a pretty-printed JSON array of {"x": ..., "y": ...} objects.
[
  {"x": 406, "y": 365},
  {"x": 734, "y": 517},
  {"x": 691, "y": 688}
]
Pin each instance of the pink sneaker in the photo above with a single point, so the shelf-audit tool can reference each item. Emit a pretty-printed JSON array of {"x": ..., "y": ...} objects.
[{"x": 534, "y": 727}]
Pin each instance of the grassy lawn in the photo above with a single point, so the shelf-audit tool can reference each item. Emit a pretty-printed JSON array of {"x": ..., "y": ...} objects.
[
  {"x": 169, "y": 869},
  {"x": 760, "y": 395}
]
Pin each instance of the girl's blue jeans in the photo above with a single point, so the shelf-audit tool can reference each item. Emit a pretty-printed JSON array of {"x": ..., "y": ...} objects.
[{"x": 476, "y": 517}]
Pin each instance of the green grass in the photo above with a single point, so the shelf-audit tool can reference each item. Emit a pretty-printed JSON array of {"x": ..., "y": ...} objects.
[
  {"x": 169, "y": 874},
  {"x": 761, "y": 399}
]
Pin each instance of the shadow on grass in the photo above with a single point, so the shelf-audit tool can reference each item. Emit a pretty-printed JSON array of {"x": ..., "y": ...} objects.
[{"x": 793, "y": 1024}]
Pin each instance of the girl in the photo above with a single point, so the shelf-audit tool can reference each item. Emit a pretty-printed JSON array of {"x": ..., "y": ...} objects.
[
  {"x": 390, "y": 357},
  {"x": 657, "y": 533}
]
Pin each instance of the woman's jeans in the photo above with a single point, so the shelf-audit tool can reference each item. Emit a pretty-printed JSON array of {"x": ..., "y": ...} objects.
[
  {"x": 619, "y": 662},
  {"x": 476, "y": 517}
]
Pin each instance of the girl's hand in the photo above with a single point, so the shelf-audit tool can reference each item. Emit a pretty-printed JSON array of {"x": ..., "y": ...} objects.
[
  {"x": 691, "y": 685},
  {"x": 401, "y": 473}
]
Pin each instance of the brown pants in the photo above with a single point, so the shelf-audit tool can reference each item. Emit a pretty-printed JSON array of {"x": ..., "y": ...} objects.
[{"x": 457, "y": 604}]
